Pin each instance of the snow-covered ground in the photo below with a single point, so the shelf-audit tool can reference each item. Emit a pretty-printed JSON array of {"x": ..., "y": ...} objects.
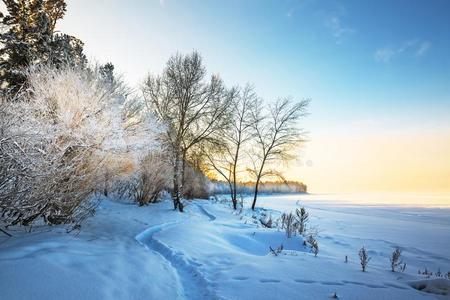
[{"x": 211, "y": 252}]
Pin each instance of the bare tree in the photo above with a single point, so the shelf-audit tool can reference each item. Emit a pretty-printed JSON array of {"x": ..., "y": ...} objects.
[
  {"x": 225, "y": 158},
  {"x": 276, "y": 134},
  {"x": 190, "y": 108}
]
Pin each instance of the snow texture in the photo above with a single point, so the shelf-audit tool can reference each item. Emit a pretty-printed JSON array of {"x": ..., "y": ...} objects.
[{"x": 212, "y": 252}]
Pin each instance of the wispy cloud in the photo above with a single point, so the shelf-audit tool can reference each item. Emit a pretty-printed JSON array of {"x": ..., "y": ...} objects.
[
  {"x": 415, "y": 47},
  {"x": 335, "y": 22},
  {"x": 423, "y": 48},
  {"x": 293, "y": 6},
  {"x": 162, "y": 3},
  {"x": 338, "y": 29},
  {"x": 330, "y": 14},
  {"x": 384, "y": 54}
]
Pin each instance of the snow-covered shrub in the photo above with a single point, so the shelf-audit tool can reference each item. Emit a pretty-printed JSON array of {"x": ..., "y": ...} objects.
[
  {"x": 276, "y": 251},
  {"x": 116, "y": 174},
  {"x": 429, "y": 274},
  {"x": 292, "y": 223},
  {"x": 47, "y": 175},
  {"x": 395, "y": 259},
  {"x": 363, "y": 258},
  {"x": 302, "y": 219},
  {"x": 54, "y": 141},
  {"x": 196, "y": 184},
  {"x": 425, "y": 272},
  {"x": 151, "y": 179},
  {"x": 18, "y": 155},
  {"x": 266, "y": 221},
  {"x": 289, "y": 224},
  {"x": 312, "y": 242},
  {"x": 402, "y": 267}
]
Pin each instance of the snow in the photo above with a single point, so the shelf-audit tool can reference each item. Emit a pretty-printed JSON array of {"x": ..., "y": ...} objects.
[
  {"x": 212, "y": 252},
  {"x": 103, "y": 261},
  {"x": 437, "y": 286}
]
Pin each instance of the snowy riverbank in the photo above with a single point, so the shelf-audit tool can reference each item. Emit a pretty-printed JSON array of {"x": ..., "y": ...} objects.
[{"x": 210, "y": 252}]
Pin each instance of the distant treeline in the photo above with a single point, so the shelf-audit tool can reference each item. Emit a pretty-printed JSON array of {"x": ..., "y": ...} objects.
[{"x": 268, "y": 187}]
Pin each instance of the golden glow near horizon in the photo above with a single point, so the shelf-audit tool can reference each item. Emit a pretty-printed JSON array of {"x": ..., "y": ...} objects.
[{"x": 408, "y": 162}]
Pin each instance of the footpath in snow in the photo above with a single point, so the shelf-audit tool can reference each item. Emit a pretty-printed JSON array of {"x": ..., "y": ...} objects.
[{"x": 211, "y": 252}]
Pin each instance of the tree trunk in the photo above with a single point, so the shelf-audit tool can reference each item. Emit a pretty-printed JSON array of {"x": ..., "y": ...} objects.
[
  {"x": 233, "y": 191},
  {"x": 256, "y": 193},
  {"x": 176, "y": 181},
  {"x": 183, "y": 172},
  {"x": 258, "y": 178},
  {"x": 105, "y": 187},
  {"x": 234, "y": 200},
  {"x": 234, "y": 196},
  {"x": 5, "y": 232}
]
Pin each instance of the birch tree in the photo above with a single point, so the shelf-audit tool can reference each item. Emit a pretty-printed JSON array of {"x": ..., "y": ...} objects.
[{"x": 190, "y": 108}]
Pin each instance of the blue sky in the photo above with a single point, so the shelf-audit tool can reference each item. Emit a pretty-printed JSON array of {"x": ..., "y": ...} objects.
[{"x": 371, "y": 68}]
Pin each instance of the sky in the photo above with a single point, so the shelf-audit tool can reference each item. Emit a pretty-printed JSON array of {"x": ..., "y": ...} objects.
[{"x": 377, "y": 74}]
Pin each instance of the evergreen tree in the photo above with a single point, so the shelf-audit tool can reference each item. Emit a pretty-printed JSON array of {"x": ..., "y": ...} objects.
[
  {"x": 67, "y": 50},
  {"x": 107, "y": 72},
  {"x": 27, "y": 38}
]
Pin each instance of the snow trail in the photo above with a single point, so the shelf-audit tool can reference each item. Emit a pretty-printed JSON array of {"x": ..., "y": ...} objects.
[
  {"x": 205, "y": 212},
  {"x": 191, "y": 283}
]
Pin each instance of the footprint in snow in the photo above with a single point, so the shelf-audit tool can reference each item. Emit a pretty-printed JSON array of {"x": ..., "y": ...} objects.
[
  {"x": 373, "y": 286},
  {"x": 331, "y": 283},
  {"x": 240, "y": 277},
  {"x": 304, "y": 281},
  {"x": 376, "y": 286},
  {"x": 269, "y": 280},
  {"x": 353, "y": 282}
]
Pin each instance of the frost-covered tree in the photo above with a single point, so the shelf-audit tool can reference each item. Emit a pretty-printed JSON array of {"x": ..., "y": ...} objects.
[
  {"x": 53, "y": 144},
  {"x": 363, "y": 258},
  {"x": 27, "y": 38},
  {"x": 277, "y": 133},
  {"x": 190, "y": 108},
  {"x": 302, "y": 219},
  {"x": 395, "y": 259},
  {"x": 313, "y": 244},
  {"x": 289, "y": 224},
  {"x": 66, "y": 50}
]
